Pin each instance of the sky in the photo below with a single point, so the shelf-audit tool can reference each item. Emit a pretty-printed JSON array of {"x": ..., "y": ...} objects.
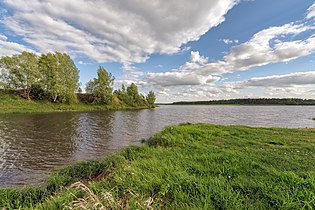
[{"x": 182, "y": 50}]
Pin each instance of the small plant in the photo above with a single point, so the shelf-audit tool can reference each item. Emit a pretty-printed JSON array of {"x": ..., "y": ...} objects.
[{"x": 105, "y": 200}]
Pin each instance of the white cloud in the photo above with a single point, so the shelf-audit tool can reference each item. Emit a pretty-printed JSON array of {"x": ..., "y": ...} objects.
[
  {"x": 11, "y": 48},
  {"x": 196, "y": 58},
  {"x": 3, "y": 37},
  {"x": 259, "y": 51},
  {"x": 286, "y": 80},
  {"x": 83, "y": 63},
  {"x": 183, "y": 76},
  {"x": 109, "y": 30},
  {"x": 229, "y": 41},
  {"x": 292, "y": 85},
  {"x": 311, "y": 12},
  {"x": 196, "y": 61},
  {"x": 192, "y": 93},
  {"x": 185, "y": 49},
  {"x": 165, "y": 79}
]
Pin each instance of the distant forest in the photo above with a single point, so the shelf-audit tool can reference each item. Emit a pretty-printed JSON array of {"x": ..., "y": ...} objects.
[{"x": 251, "y": 101}]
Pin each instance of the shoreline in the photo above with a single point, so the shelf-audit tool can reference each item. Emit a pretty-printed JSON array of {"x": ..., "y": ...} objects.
[
  {"x": 68, "y": 108},
  {"x": 15, "y": 105},
  {"x": 214, "y": 166}
]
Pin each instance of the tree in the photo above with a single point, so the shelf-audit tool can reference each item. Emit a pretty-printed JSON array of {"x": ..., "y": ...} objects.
[
  {"x": 60, "y": 77},
  {"x": 20, "y": 72},
  {"x": 132, "y": 92},
  {"x": 101, "y": 87},
  {"x": 151, "y": 98}
]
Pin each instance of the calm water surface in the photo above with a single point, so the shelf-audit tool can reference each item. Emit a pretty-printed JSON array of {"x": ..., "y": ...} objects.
[{"x": 33, "y": 144}]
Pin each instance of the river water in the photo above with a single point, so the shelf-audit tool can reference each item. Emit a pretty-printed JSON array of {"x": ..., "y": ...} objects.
[{"x": 33, "y": 144}]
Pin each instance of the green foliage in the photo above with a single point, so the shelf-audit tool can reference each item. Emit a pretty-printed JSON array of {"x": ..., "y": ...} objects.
[
  {"x": 122, "y": 94},
  {"x": 190, "y": 166},
  {"x": 101, "y": 87},
  {"x": 60, "y": 77},
  {"x": 20, "y": 72},
  {"x": 52, "y": 75},
  {"x": 131, "y": 95},
  {"x": 151, "y": 98}
]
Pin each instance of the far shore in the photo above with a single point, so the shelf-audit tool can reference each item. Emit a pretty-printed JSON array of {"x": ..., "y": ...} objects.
[{"x": 253, "y": 102}]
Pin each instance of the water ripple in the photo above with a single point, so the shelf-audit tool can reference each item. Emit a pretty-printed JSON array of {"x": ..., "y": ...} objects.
[{"x": 32, "y": 144}]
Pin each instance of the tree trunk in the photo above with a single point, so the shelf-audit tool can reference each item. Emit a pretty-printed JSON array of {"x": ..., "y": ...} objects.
[{"x": 26, "y": 94}]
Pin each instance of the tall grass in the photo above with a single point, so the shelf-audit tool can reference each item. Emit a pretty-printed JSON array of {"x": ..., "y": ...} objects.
[{"x": 196, "y": 166}]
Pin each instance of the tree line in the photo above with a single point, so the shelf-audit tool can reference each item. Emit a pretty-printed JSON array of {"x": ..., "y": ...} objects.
[
  {"x": 252, "y": 101},
  {"x": 55, "y": 77}
]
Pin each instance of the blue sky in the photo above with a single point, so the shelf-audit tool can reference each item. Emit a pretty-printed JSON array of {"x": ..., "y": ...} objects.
[{"x": 192, "y": 50}]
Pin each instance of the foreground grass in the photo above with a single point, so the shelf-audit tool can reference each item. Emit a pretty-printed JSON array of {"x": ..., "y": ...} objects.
[
  {"x": 10, "y": 104},
  {"x": 197, "y": 166}
]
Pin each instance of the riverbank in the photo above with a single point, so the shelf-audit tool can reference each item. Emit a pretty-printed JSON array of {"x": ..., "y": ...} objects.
[
  {"x": 12, "y": 104},
  {"x": 197, "y": 166}
]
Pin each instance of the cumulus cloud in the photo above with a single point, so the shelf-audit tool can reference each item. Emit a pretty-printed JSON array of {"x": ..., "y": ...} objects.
[
  {"x": 229, "y": 41},
  {"x": 10, "y": 48},
  {"x": 113, "y": 31},
  {"x": 196, "y": 61},
  {"x": 191, "y": 93},
  {"x": 260, "y": 50},
  {"x": 196, "y": 58},
  {"x": 183, "y": 76},
  {"x": 179, "y": 79},
  {"x": 265, "y": 47},
  {"x": 296, "y": 85},
  {"x": 278, "y": 81},
  {"x": 311, "y": 12},
  {"x": 293, "y": 92}
]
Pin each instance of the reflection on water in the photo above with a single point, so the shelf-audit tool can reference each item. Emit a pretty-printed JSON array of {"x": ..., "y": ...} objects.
[{"x": 31, "y": 145}]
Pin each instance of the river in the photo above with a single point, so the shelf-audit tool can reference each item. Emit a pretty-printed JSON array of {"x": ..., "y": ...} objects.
[{"x": 33, "y": 144}]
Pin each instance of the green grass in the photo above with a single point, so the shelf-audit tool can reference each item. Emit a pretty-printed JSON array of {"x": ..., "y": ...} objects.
[
  {"x": 10, "y": 104},
  {"x": 197, "y": 166}
]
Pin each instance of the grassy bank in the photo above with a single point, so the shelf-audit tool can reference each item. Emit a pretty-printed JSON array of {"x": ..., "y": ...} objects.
[
  {"x": 197, "y": 166},
  {"x": 15, "y": 104}
]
